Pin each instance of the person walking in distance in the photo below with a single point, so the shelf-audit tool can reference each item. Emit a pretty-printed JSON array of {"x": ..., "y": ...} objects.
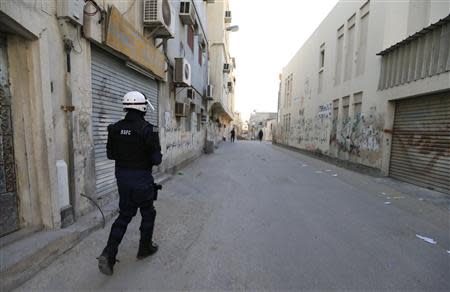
[
  {"x": 233, "y": 135},
  {"x": 260, "y": 135},
  {"x": 134, "y": 145}
]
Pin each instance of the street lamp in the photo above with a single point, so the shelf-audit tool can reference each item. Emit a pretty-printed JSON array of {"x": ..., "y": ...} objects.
[{"x": 232, "y": 28}]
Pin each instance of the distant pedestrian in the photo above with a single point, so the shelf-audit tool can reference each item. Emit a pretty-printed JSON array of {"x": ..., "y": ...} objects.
[
  {"x": 233, "y": 135},
  {"x": 260, "y": 135}
]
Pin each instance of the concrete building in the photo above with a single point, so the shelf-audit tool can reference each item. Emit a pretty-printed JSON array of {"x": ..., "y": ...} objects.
[
  {"x": 64, "y": 67},
  {"x": 371, "y": 86},
  {"x": 222, "y": 76},
  {"x": 260, "y": 121}
]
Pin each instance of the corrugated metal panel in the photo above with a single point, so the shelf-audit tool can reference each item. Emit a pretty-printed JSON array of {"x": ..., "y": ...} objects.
[
  {"x": 111, "y": 79},
  {"x": 421, "y": 142},
  {"x": 424, "y": 55}
]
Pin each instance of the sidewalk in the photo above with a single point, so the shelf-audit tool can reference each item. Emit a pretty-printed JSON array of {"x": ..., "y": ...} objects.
[{"x": 21, "y": 259}]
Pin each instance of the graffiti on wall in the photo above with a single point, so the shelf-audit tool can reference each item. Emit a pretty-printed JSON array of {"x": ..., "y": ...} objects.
[
  {"x": 361, "y": 133},
  {"x": 312, "y": 133}
]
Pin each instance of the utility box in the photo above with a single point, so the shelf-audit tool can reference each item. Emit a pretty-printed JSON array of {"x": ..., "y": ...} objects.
[{"x": 72, "y": 10}]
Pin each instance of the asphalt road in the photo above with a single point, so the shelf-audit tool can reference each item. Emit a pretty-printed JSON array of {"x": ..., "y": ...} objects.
[{"x": 253, "y": 216}]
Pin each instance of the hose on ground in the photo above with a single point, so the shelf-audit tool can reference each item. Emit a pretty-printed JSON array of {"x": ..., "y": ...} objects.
[{"x": 96, "y": 205}]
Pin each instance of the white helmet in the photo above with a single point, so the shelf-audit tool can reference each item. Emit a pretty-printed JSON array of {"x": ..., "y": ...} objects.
[{"x": 136, "y": 100}]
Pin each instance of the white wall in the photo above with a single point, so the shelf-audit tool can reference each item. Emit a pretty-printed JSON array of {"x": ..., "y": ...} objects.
[{"x": 313, "y": 125}]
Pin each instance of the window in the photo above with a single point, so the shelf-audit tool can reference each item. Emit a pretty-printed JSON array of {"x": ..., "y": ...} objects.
[
  {"x": 336, "y": 109},
  {"x": 350, "y": 48},
  {"x": 288, "y": 90},
  {"x": 362, "y": 44},
  {"x": 345, "y": 107},
  {"x": 357, "y": 104},
  {"x": 190, "y": 37},
  {"x": 322, "y": 56},
  {"x": 321, "y": 67},
  {"x": 200, "y": 55},
  {"x": 339, "y": 55}
]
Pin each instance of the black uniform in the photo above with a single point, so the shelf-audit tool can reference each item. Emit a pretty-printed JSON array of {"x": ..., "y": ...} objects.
[{"x": 134, "y": 145}]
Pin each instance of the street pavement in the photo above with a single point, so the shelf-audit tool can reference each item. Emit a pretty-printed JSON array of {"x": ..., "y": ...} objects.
[{"x": 253, "y": 216}]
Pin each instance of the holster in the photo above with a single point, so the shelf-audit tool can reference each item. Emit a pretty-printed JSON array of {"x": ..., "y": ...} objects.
[{"x": 156, "y": 188}]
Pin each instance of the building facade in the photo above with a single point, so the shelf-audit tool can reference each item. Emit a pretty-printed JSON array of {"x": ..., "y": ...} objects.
[
  {"x": 222, "y": 75},
  {"x": 371, "y": 86},
  {"x": 261, "y": 121},
  {"x": 64, "y": 68}
]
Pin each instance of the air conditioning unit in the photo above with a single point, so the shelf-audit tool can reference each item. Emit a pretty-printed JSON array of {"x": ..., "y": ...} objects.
[
  {"x": 209, "y": 91},
  {"x": 226, "y": 68},
  {"x": 228, "y": 16},
  {"x": 203, "y": 119},
  {"x": 190, "y": 93},
  {"x": 187, "y": 13},
  {"x": 181, "y": 109},
  {"x": 159, "y": 17},
  {"x": 209, "y": 1},
  {"x": 182, "y": 74}
]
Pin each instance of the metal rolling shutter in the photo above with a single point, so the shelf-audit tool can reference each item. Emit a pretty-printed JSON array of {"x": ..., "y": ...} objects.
[
  {"x": 111, "y": 79},
  {"x": 421, "y": 142}
]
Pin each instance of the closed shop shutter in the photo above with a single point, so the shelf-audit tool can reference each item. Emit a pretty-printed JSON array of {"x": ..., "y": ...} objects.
[
  {"x": 111, "y": 80},
  {"x": 421, "y": 142}
]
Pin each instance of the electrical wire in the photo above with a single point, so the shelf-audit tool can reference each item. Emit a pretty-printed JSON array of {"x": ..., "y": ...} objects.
[
  {"x": 96, "y": 205},
  {"x": 97, "y": 9}
]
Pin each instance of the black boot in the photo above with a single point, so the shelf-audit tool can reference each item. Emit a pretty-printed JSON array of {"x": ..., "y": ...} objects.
[
  {"x": 146, "y": 250},
  {"x": 106, "y": 263}
]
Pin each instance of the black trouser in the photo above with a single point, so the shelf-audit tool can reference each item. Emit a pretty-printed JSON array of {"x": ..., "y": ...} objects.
[{"x": 130, "y": 200}]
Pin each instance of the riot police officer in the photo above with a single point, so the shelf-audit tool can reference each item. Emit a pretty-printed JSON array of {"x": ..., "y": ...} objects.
[{"x": 134, "y": 145}]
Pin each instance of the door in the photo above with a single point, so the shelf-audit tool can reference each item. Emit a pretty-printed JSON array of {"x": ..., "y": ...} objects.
[
  {"x": 9, "y": 219},
  {"x": 421, "y": 142}
]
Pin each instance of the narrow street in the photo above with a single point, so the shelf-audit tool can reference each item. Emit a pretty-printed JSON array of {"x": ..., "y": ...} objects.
[{"x": 255, "y": 216}]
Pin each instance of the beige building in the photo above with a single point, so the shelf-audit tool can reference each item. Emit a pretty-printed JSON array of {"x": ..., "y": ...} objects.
[
  {"x": 371, "y": 85},
  {"x": 64, "y": 67},
  {"x": 261, "y": 121},
  {"x": 222, "y": 65}
]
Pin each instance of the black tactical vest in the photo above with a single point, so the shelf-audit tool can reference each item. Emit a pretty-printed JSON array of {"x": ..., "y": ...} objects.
[{"x": 128, "y": 147}]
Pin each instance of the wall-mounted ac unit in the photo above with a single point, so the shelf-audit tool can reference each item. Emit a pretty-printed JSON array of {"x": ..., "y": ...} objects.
[
  {"x": 209, "y": 1},
  {"x": 209, "y": 91},
  {"x": 159, "y": 17},
  {"x": 190, "y": 93},
  {"x": 181, "y": 109},
  {"x": 228, "y": 16},
  {"x": 226, "y": 68},
  {"x": 187, "y": 13},
  {"x": 182, "y": 74}
]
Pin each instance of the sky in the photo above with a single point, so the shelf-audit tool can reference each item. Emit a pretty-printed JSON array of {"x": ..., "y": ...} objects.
[{"x": 270, "y": 33}]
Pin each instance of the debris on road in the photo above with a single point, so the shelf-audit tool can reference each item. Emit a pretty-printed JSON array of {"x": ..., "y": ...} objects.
[
  {"x": 387, "y": 203},
  {"x": 384, "y": 194},
  {"x": 318, "y": 171},
  {"x": 335, "y": 174},
  {"x": 399, "y": 197},
  {"x": 427, "y": 239},
  {"x": 328, "y": 170},
  {"x": 180, "y": 173}
]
